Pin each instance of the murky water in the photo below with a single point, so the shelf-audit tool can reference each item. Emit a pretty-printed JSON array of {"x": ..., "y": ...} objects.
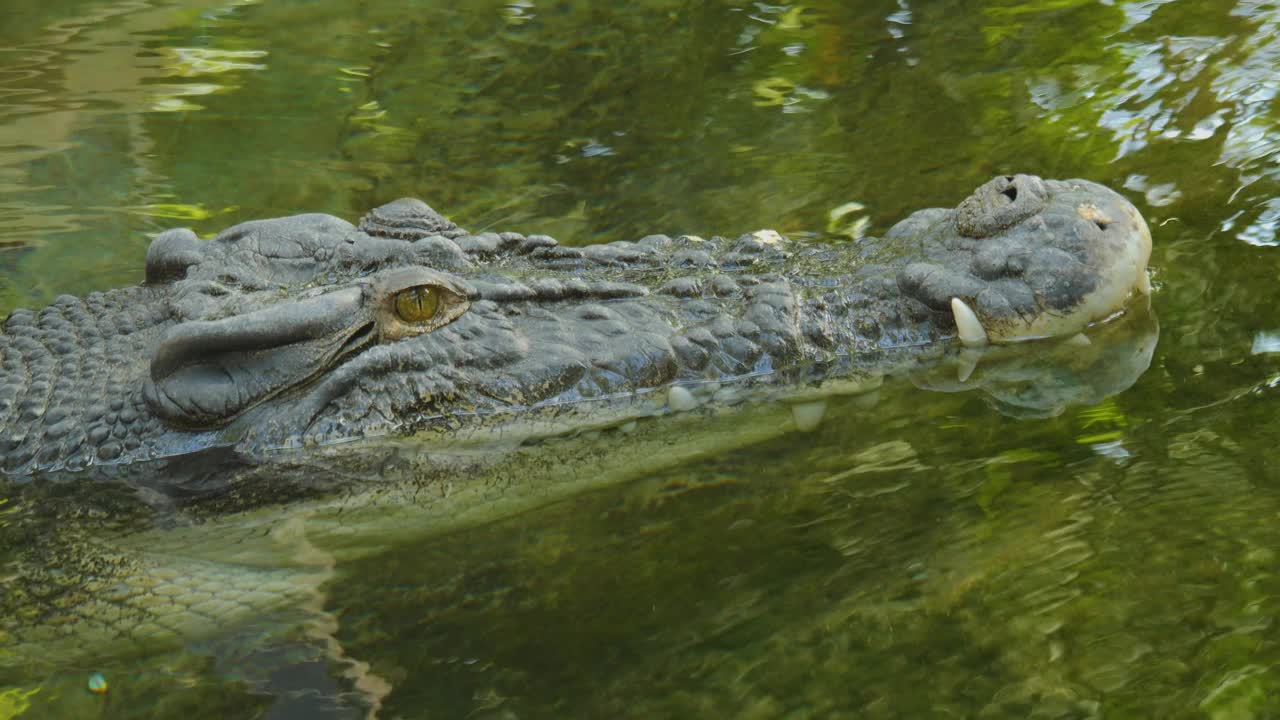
[{"x": 921, "y": 554}]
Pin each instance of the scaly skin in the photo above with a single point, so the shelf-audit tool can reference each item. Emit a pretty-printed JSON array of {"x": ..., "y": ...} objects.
[
  {"x": 281, "y": 333},
  {"x": 307, "y": 391}
]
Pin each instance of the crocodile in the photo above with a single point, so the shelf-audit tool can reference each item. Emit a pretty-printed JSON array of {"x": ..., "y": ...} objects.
[
  {"x": 307, "y": 330},
  {"x": 297, "y": 392}
]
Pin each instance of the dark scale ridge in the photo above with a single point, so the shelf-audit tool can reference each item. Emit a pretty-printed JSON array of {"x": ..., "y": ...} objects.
[
  {"x": 176, "y": 455},
  {"x": 65, "y": 399},
  {"x": 307, "y": 329},
  {"x": 407, "y": 219}
]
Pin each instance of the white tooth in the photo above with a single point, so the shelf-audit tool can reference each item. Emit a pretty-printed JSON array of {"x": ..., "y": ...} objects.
[
  {"x": 967, "y": 325},
  {"x": 1144, "y": 283},
  {"x": 968, "y": 362},
  {"x": 1079, "y": 340},
  {"x": 808, "y": 416},
  {"x": 680, "y": 399},
  {"x": 768, "y": 237}
]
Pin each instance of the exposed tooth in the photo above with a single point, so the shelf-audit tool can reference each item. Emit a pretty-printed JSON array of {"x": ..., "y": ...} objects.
[
  {"x": 1144, "y": 283},
  {"x": 967, "y": 325},
  {"x": 768, "y": 237},
  {"x": 680, "y": 399},
  {"x": 808, "y": 416},
  {"x": 968, "y": 362},
  {"x": 1079, "y": 340}
]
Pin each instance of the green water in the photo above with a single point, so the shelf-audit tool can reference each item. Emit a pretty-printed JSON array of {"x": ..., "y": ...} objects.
[{"x": 920, "y": 554}]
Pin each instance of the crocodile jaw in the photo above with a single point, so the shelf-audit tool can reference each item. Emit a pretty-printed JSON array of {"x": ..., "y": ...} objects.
[
  {"x": 1122, "y": 269},
  {"x": 1024, "y": 258}
]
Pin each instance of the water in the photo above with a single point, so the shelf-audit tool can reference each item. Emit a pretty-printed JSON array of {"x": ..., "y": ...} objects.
[{"x": 922, "y": 556}]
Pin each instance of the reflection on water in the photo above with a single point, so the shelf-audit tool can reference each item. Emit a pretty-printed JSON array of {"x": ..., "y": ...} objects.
[
  {"x": 943, "y": 582},
  {"x": 1046, "y": 378},
  {"x": 917, "y": 554},
  {"x": 76, "y": 155}
]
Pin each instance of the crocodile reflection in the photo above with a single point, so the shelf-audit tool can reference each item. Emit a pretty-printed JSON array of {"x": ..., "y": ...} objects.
[{"x": 300, "y": 393}]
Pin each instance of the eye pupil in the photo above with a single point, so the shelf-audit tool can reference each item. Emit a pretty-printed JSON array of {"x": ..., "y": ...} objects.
[{"x": 417, "y": 304}]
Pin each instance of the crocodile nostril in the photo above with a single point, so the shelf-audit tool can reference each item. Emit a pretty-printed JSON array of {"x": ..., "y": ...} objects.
[
  {"x": 1000, "y": 204},
  {"x": 1099, "y": 218}
]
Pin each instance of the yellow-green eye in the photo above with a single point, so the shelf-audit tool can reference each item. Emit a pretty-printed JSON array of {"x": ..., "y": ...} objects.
[{"x": 417, "y": 304}]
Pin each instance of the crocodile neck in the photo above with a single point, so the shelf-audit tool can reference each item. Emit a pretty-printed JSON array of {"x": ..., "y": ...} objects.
[{"x": 69, "y": 378}]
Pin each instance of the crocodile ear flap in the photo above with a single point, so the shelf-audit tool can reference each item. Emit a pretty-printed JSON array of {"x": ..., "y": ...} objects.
[
  {"x": 170, "y": 254},
  {"x": 205, "y": 373}
]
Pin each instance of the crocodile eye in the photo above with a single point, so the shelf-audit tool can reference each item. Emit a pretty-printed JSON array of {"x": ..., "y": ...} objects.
[
  {"x": 411, "y": 301},
  {"x": 417, "y": 305}
]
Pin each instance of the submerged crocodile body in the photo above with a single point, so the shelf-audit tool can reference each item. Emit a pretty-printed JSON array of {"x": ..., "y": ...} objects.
[
  {"x": 177, "y": 444},
  {"x": 307, "y": 330}
]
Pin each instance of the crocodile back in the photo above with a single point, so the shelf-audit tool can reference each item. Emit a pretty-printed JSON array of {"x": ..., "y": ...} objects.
[{"x": 70, "y": 379}]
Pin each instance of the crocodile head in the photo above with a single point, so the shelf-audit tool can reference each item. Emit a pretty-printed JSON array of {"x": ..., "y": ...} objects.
[
  {"x": 1024, "y": 258},
  {"x": 308, "y": 329}
]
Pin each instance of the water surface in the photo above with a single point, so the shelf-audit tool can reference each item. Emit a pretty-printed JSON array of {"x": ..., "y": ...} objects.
[{"x": 922, "y": 554}]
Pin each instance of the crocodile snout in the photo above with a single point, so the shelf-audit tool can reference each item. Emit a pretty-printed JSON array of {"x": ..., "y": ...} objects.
[{"x": 1025, "y": 258}]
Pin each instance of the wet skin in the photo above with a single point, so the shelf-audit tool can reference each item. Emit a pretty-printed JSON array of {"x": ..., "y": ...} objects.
[
  {"x": 298, "y": 393},
  {"x": 306, "y": 330}
]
